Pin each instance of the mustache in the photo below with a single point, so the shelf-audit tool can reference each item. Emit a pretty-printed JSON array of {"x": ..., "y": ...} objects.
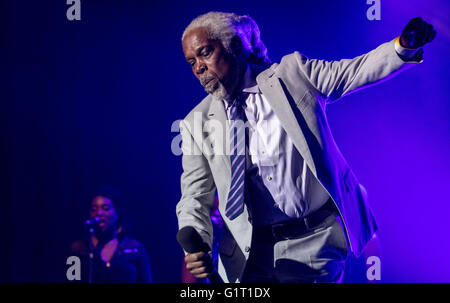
[{"x": 205, "y": 79}]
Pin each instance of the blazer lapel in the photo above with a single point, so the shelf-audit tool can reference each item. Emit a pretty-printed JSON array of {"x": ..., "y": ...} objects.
[
  {"x": 270, "y": 86},
  {"x": 217, "y": 112}
]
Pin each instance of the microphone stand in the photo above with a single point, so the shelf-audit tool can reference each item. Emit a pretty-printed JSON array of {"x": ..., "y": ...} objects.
[{"x": 91, "y": 253}]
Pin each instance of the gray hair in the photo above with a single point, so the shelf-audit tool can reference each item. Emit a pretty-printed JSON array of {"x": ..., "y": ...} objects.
[{"x": 224, "y": 26}]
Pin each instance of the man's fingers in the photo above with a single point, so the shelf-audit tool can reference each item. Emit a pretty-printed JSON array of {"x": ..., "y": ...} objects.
[
  {"x": 192, "y": 265},
  {"x": 201, "y": 276},
  {"x": 428, "y": 33},
  {"x": 194, "y": 257},
  {"x": 198, "y": 263},
  {"x": 433, "y": 35},
  {"x": 199, "y": 270},
  {"x": 417, "y": 33}
]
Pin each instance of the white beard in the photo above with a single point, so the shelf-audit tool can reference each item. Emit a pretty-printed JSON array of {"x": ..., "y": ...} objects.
[{"x": 220, "y": 93}]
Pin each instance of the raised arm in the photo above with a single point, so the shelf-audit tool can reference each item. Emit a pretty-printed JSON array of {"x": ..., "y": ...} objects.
[{"x": 335, "y": 79}]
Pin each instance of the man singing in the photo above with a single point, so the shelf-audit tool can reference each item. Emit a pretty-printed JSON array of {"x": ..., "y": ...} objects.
[{"x": 293, "y": 210}]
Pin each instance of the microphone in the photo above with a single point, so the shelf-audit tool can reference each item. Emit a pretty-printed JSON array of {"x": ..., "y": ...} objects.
[
  {"x": 90, "y": 224},
  {"x": 192, "y": 242}
]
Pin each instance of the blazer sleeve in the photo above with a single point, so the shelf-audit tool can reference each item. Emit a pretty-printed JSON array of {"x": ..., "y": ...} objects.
[
  {"x": 335, "y": 79},
  {"x": 197, "y": 188}
]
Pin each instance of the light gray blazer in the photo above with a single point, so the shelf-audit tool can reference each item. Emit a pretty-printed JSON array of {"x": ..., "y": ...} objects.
[{"x": 298, "y": 90}]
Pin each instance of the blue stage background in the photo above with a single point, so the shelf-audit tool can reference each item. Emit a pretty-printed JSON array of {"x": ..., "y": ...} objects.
[{"x": 91, "y": 102}]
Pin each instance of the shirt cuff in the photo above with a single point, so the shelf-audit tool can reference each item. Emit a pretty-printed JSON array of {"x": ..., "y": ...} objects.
[{"x": 408, "y": 54}]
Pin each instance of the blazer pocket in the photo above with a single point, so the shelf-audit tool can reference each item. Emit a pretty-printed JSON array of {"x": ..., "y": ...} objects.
[{"x": 304, "y": 101}]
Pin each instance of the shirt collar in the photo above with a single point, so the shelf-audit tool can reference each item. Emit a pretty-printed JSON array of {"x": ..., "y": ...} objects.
[{"x": 249, "y": 85}]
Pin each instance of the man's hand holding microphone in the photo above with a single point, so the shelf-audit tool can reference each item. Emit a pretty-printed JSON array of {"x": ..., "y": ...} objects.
[{"x": 198, "y": 259}]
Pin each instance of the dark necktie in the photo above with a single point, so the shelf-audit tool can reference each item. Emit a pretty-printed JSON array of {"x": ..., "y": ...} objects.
[{"x": 235, "y": 203}]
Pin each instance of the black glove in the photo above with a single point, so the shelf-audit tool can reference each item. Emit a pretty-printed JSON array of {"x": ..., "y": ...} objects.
[{"x": 417, "y": 33}]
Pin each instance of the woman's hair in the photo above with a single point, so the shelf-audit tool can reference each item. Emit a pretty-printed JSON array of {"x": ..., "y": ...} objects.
[{"x": 225, "y": 26}]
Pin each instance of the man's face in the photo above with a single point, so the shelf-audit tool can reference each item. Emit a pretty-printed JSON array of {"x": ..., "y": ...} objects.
[{"x": 216, "y": 68}]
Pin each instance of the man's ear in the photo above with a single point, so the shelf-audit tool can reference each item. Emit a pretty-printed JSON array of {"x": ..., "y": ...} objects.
[{"x": 236, "y": 45}]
